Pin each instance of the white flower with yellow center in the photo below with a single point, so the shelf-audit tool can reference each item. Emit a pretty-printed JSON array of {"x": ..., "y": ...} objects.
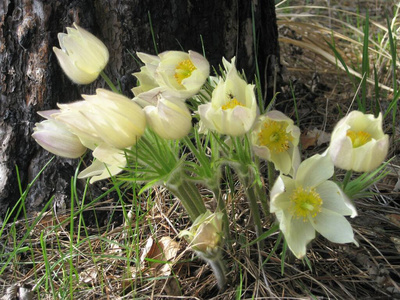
[
  {"x": 82, "y": 55},
  {"x": 275, "y": 138},
  {"x": 310, "y": 203},
  {"x": 181, "y": 74},
  {"x": 358, "y": 142},
  {"x": 233, "y": 106}
]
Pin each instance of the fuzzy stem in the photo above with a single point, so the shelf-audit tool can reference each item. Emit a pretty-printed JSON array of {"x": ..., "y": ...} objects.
[{"x": 218, "y": 267}]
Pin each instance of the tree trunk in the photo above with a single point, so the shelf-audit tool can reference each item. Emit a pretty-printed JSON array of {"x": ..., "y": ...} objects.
[{"x": 32, "y": 80}]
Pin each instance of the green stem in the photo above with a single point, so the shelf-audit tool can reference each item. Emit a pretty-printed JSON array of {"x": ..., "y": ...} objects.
[
  {"x": 222, "y": 208},
  {"x": 251, "y": 196},
  {"x": 218, "y": 267},
  {"x": 109, "y": 82}
]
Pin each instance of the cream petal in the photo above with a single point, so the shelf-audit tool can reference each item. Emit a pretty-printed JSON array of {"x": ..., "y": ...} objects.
[
  {"x": 333, "y": 226},
  {"x": 298, "y": 236},
  {"x": 333, "y": 198},
  {"x": 314, "y": 170}
]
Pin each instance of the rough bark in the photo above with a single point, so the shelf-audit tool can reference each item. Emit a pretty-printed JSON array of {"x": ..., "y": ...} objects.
[{"x": 31, "y": 79}]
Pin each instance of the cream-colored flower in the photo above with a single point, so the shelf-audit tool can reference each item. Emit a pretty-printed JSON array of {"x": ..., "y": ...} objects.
[
  {"x": 233, "y": 107},
  {"x": 205, "y": 235},
  {"x": 55, "y": 137},
  {"x": 106, "y": 117},
  {"x": 167, "y": 116},
  {"x": 358, "y": 142},
  {"x": 275, "y": 138},
  {"x": 109, "y": 162},
  {"x": 147, "y": 74},
  {"x": 310, "y": 203},
  {"x": 179, "y": 73},
  {"x": 82, "y": 55}
]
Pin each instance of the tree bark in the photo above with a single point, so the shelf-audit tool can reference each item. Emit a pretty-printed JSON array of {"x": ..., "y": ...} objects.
[{"x": 32, "y": 80}]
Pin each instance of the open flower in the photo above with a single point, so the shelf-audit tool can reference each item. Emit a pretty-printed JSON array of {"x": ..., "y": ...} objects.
[
  {"x": 180, "y": 73},
  {"x": 233, "y": 106},
  {"x": 55, "y": 137},
  {"x": 82, "y": 55},
  {"x": 358, "y": 142},
  {"x": 310, "y": 203},
  {"x": 169, "y": 117},
  {"x": 106, "y": 117},
  {"x": 275, "y": 138},
  {"x": 205, "y": 234}
]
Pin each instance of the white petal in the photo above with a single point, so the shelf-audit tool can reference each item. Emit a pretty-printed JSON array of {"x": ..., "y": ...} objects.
[
  {"x": 333, "y": 198},
  {"x": 333, "y": 226},
  {"x": 314, "y": 170},
  {"x": 298, "y": 235}
]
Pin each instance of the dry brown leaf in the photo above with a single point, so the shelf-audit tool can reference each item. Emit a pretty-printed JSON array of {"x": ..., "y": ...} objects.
[{"x": 315, "y": 137}]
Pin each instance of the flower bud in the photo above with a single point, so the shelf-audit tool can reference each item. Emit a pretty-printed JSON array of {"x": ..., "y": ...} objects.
[
  {"x": 169, "y": 117},
  {"x": 205, "y": 234},
  {"x": 55, "y": 137},
  {"x": 82, "y": 55},
  {"x": 358, "y": 142}
]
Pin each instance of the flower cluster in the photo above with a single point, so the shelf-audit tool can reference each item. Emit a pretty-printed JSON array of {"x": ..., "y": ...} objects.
[{"x": 158, "y": 120}]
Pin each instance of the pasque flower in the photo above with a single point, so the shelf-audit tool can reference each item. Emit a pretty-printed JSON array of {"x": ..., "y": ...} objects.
[
  {"x": 309, "y": 202},
  {"x": 275, "y": 138},
  {"x": 180, "y": 73},
  {"x": 205, "y": 235},
  {"x": 82, "y": 55},
  {"x": 106, "y": 117},
  {"x": 233, "y": 106},
  {"x": 55, "y": 137},
  {"x": 358, "y": 142},
  {"x": 168, "y": 116}
]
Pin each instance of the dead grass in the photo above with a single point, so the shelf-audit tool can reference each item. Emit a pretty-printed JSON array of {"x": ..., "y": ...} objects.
[{"x": 122, "y": 261}]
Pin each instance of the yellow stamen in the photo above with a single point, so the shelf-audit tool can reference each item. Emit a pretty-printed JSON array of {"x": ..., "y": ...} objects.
[
  {"x": 358, "y": 138},
  {"x": 273, "y": 135},
  {"x": 231, "y": 104},
  {"x": 184, "y": 70},
  {"x": 305, "y": 202}
]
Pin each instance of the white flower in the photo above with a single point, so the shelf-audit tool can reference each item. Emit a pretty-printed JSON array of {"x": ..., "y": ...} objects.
[
  {"x": 233, "y": 106},
  {"x": 179, "y": 73},
  {"x": 169, "y": 117},
  {"x": 106, "y": 117},
  {"x": 310, "y": 203},
  {"x": 275, "y": 138},
  {"x": 82, "y": 55},
  {"x": 358, "y": 142},
  {"x": 55, "y": 137}
]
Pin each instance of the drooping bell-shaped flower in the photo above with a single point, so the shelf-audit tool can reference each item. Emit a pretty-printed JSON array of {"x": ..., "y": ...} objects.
[
  {"x": 55, "y": 137},
  {"x": 358, "y": 142},
  {"x": 233, "y": 107},
  {"x": 275, "y": 138},
  {"x": 310, "y": 203},
  {"x": 167, "y": 116},
  {"x": 82, "y": 55}
]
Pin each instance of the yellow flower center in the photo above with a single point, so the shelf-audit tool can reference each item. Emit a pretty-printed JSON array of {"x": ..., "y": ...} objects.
[
  {"x": 273, "y": 135},
  {"x": 358, "y": 138},
  {"x": 184, "y": 70},
  {"x": 231, "y": 104},
  {"x": 305, "y": 202}
]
